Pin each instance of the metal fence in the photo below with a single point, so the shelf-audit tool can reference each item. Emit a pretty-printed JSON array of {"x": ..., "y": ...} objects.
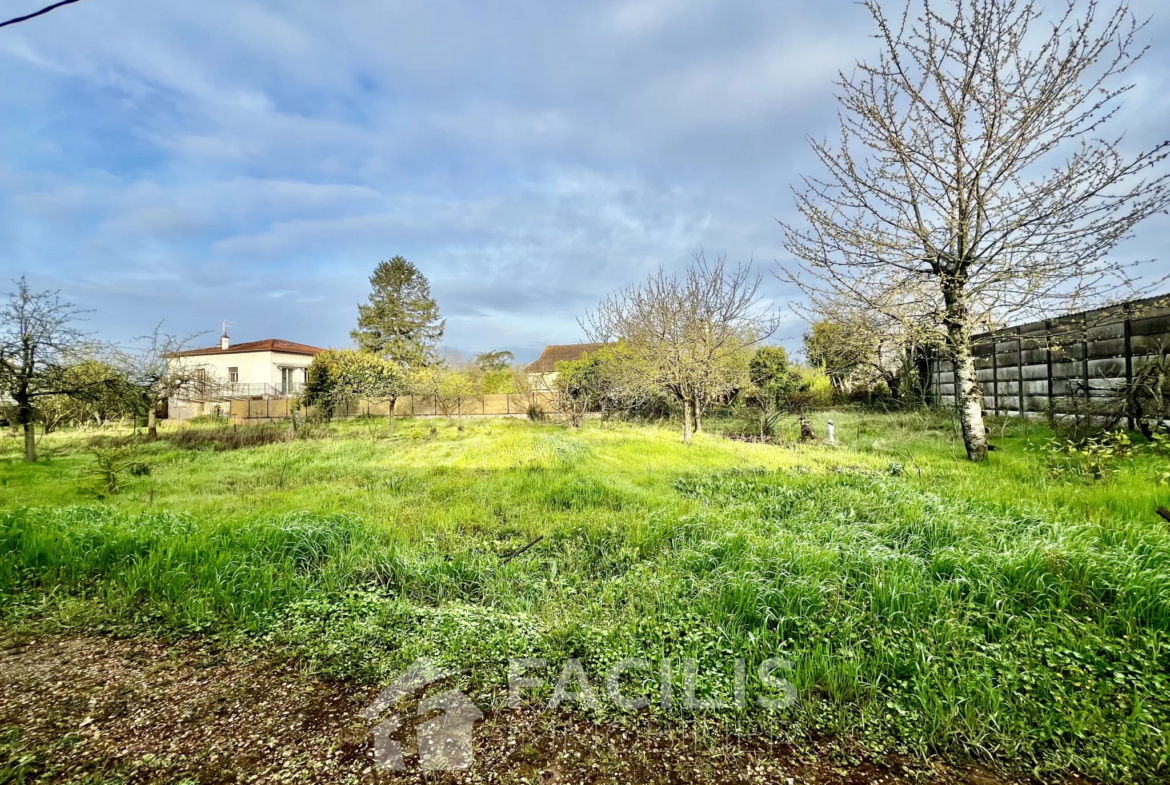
[{"x": 1048, "y": 366}]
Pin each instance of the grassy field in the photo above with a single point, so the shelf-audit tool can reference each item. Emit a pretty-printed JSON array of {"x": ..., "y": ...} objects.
[{"x": 998, "y": 611}]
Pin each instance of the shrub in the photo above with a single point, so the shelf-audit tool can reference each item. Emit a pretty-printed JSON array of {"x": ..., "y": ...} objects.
[
  {"x": 1093, "y": 458},
  {"x": 103, "y": 477},
  {"x": 338, "y": 376}
]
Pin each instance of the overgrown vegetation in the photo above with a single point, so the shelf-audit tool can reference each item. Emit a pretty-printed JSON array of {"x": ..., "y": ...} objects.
[
  {"x": 219, "y": 434},
  {"x": 988, "y": 610}
]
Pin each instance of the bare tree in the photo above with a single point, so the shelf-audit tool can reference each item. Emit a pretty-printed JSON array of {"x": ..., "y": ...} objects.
[
  {"x": 686, "y": 335},
  {"x": 38, "y": 335},
  {"x": 972, "y": 171},
  {"x": 856, "y": 343},
  {"x": 157, "y": 373}
]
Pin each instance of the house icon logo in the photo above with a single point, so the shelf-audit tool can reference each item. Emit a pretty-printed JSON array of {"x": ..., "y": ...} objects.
[{"x": 443, "y": 740}]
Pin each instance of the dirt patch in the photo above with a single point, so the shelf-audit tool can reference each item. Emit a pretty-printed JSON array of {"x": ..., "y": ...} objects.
[{"x": 104, "y": 710}]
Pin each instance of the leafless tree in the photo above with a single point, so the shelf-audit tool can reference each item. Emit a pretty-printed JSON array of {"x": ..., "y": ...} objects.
[
  {"x": 157, "y": 372},
  {"x": 973, "y": 171},
  {"x": 686, "y": 335},
  {"x": 856, "y": 343},
  {"x": 38, "y": 335}
]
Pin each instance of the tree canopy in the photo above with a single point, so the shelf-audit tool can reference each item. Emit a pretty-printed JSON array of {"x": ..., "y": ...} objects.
[
  {"x": 339, "y": 376},
  {"x": 401, "y": 322}
]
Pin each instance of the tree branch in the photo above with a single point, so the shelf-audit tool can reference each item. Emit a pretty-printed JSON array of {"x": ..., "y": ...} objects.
[{"x": 35, "y": 14}]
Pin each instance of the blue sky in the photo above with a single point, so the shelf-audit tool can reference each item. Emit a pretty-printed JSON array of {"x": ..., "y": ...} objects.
[{"x": 252, "y": 161}]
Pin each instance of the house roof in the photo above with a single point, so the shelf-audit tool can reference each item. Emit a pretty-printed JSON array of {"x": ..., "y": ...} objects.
[
  {"x": 267, "y": 345},
  {"x": 547, "y": 362}
]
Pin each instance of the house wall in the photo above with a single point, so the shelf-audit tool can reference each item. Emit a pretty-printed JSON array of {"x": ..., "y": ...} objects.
[
  {"x": 278, "y": 360},
  {"x": 254, "y": 367},
  {"x": 542, "y": 381}
]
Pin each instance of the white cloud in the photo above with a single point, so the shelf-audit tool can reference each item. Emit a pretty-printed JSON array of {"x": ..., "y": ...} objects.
[{"x": 188, "y": 161}]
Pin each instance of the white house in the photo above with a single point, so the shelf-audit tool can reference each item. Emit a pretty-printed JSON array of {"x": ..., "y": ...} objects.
[{"x": 272, "y": 368}]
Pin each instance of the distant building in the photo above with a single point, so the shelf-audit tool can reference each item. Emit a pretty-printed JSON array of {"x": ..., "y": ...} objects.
[
  {"x": 272, "y": 368},
  {"x": 543, "y": 372}
]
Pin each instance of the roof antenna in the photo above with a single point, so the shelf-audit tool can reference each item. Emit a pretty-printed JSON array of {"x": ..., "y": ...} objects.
[{"x": 223, "y": 340}]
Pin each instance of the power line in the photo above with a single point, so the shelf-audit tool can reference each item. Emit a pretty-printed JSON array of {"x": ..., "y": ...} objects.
[{"x": 35, "y": 14}]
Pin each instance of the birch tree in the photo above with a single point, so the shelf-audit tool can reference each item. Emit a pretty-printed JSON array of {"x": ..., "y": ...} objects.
[{"x": 975, "y": 170}]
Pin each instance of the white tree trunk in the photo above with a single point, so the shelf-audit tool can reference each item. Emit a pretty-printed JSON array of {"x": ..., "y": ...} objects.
[{"x": 968, "y": 395}]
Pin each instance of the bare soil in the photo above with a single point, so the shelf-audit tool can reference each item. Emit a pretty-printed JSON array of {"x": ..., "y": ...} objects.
[{"x": 106, "y": 710}]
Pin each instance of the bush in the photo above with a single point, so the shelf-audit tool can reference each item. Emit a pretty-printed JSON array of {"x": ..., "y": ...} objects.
[
  {"x": 816, "y": 383},
  {"x": 1094, "y": 458},
  {"x": 104, "y": 476}
]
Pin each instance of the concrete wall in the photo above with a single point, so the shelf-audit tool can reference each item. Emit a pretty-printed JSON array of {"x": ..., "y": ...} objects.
[{"x": 1043, "y": 366}]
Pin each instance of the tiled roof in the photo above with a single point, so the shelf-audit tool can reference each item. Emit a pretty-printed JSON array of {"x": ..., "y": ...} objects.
[
  {"x": 267, "y": 345},
  {"x": 547, "y": 362}
]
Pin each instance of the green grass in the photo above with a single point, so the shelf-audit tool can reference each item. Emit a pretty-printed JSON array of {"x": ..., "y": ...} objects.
[{"x": 927, "y": 604}]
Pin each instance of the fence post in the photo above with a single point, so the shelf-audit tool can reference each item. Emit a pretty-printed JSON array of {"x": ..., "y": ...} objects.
[
  {"x": 1020, "y": 368},
  {"x": 1127, "y": 329},
  {"x": 938, "y": 377},
  {"x": 1048, "y": 364},
  {"x": 995, "y": 375},
  {"x": 1085, "y": 354}
]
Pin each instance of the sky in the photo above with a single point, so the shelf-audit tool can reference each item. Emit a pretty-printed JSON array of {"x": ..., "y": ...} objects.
[{"x": 253, "y": 160}]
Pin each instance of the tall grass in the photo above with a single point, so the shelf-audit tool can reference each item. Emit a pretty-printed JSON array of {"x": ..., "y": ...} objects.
[{"x": 978, "y": 610}]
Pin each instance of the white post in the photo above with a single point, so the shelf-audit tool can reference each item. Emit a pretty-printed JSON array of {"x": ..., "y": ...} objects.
[{"x": 831, "y": 439}]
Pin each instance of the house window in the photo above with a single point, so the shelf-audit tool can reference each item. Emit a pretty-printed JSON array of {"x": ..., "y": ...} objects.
[
  {"x": 290, "y": 380},
  {"x": 199, "y": 382},
  {"x": 234, "y": 375}
]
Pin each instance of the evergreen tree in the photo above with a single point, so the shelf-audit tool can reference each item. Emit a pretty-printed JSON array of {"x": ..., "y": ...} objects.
[{"x": 401, "y": 322}]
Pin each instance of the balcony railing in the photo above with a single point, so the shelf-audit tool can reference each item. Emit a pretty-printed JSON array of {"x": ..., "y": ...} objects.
[{"x": 217, "y": 390}]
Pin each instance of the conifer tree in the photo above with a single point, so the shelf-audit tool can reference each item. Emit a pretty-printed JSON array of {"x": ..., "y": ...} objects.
[{"x": 401, "y": 323}]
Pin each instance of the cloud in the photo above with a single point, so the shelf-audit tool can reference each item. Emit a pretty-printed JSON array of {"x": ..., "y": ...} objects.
[{"x": 254, "y": 159}]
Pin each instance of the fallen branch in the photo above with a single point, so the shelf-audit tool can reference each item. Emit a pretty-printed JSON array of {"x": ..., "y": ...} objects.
[
  {"x": 1164, "y": 513},
  {"x": 521, "y": 551}
]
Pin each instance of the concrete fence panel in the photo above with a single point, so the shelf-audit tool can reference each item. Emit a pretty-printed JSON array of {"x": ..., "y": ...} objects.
[{"x": 1047, "y": 366}]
